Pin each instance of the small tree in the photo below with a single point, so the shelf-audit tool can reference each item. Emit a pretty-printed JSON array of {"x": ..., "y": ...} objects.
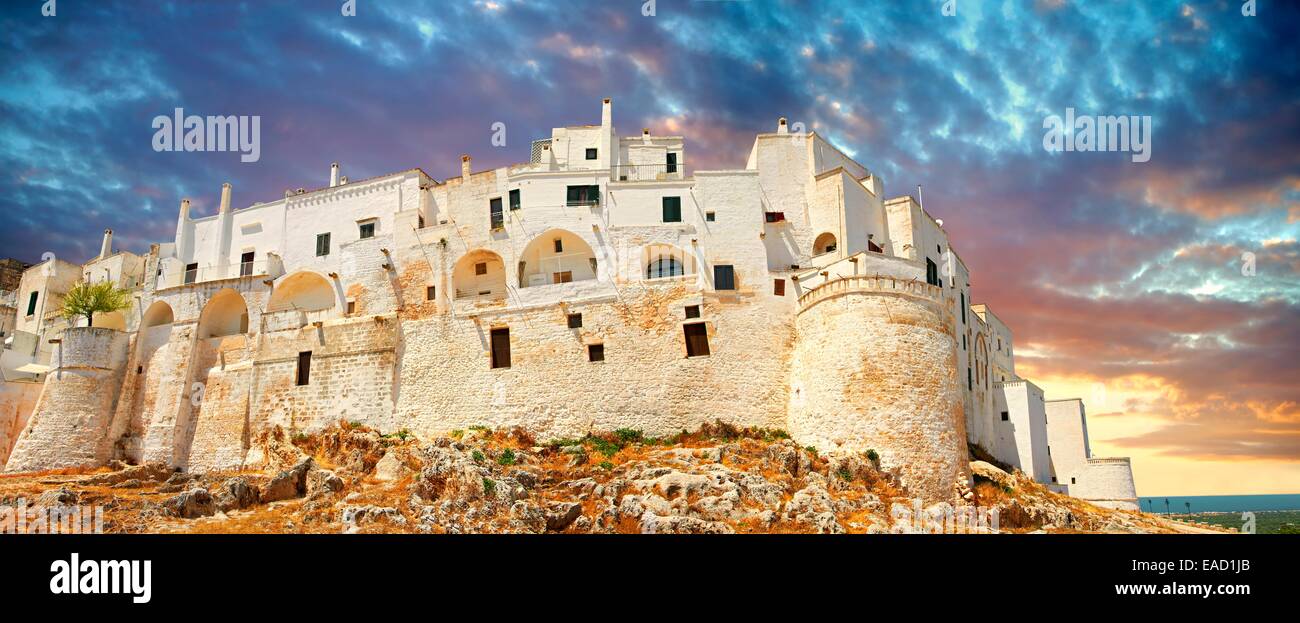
[{"x": 88, "y": 299}]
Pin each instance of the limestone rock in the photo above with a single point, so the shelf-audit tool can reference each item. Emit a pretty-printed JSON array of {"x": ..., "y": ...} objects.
[
  {"x": 390, "y": 468},
  {"x": 561, "y": 514},
  {"x": 288, "y": 484},
  {"x": 196, "y": 502},
  {"x": 236, "y": 493},
  {"x": 322, "y": 481},
  {"x": 676, "y": 524}
]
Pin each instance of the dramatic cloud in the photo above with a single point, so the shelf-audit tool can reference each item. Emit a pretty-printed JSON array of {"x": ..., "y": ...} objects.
[{"x": 1128, "y": 275}]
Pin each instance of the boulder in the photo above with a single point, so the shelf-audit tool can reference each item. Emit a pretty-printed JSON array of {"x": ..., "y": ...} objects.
[
  {"x": 559, "y": 515},
  {"x": 323, "y": 481},
  {"x": 149, "y": 472},
  {"x": 196, "y": 502},
  {"x": 236, "y": 493},
  {"x": 288, "y": 484},
  {"x": 390, "y": 468},
  {"x": 677, "y": 524}
]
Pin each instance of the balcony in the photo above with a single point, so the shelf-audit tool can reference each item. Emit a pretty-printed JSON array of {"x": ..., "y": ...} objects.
[
  {"x": 662, "y": 172},
  {"x": 271, "y": 268}
]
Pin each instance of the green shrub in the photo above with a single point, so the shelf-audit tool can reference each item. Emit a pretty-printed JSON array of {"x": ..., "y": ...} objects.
[
  {"x": 606, "y": 465},
  {"x": 628, "y": 435},
  {"x": 845, "y": 474},
  {"x": 873, "y": 456},
  {"x": 507, "y": 457},
  {"x": 489, "y": 486},
  {"x": 811, "y": 450},
  {"x": 478, "y": 456}
]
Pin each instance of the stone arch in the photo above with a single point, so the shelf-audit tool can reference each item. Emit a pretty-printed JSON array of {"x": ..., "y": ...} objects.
[
  {"x": 160, "y": 313},
  {"x": 981, "y": 361},
  {"x": 112, "y": 320},
  {"x": 302, "y": 291},
  {"x": 556, "y": 256},
  {"x": 825, "y": 243},
  {"x": 664, "y": 260},
  {"x": 479, "y": 273},
  {"x": 225, "y": 314}
]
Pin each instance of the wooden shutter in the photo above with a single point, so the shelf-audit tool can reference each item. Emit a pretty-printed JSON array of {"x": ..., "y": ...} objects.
[
  {"x": 501, "y": 348},
  {"x": 697, "y": 340}
]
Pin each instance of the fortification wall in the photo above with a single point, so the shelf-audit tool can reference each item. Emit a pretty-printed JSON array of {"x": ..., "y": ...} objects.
[
  {"x": 162, "y": 416},
  {"x": 1108, "y": 482},
  {"x": 875, "y": 367},
  {"x": 218, "y": 417},
  {"x": 645, "y": 382},
  {"x": 17, "y": 402},
  {"x": 70, "y": 425}
]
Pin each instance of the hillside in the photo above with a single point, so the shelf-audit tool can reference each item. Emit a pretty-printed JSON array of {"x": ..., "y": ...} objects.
[{"x": 718, "y": 479}]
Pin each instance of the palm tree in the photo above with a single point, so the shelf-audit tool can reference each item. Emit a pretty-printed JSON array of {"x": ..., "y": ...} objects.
[
  {"x": 88, "y": 299},
  {"x": 1189, "y": 507},
  {"x": 1166, "y": 506}
]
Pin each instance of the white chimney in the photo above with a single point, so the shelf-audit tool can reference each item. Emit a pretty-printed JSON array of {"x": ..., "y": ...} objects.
[
  {"x": 645, "y": 135},
  {"x": 225, "y": 198},
  {"x": 106, "y": 249},
  {"x": 782, "y": 127},
  {"x": 548, "y": 157},
  {"x": 185, "y": 209},
  {"x": 465, "y": 167},
  {"x": 334, "y": 175},
  {"x": 607, "y": 113}
]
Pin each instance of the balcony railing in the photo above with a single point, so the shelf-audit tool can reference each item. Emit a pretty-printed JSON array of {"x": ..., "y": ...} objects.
[
  {"x": 203, "y": 274},
  {"x": 649, "y": 172}
]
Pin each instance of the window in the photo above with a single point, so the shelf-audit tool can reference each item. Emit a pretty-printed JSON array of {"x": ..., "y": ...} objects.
[
  {"x": 591, "y": 153},
  {"x": 562, "y": 277},
  {"x": 999, "y": 345},
  {"x": 724, "y": 277},
  {"x": 246, "y": 264},
  {"x": 963, "y": 341},
  {"x": 672, "y": 209},
  {"x": 583, "y": 195},
  {"x": 494, "y": 212},
  {"x": 1074, "y": 480},
  {"x": 191, "y": 272},
  {"x": 480, "y": 268},
  {"x": 421, "y": 221},
  {"x": 873, "y": 247},
  {"x": 1053, "y": 478},
  {"x": 774, "y": 217},
  {"x": 575, "y": 321},
  {"x": 31, "y": 303},
  {"x": 515, "y": 201},
  {"x": 322, "y": 245},
  {"x": 664, "y": 266},
  {"x": 500, "y": 348},
  {"x": 963, "y": 309},
  {"x": 931, "y": 272},
  {"x": 1006, "y": 416},
  {"x": 595, "y": 352},
  {"x": 778, "y": 287},
  {"x": 430, "y": 293},
  {"x": 367, "y": 230},
  {"x": 697, "y": 339},
  {"x": 352, "y": 307},
  {"x": 304, "y": 368},
  {"x": 710, "y": 216},
  {"x": 970, "y": 381},
  {"x": 672, "y": 162},
  {"x": 559, "y": 246},
  {"x": 692, "y": 311}
]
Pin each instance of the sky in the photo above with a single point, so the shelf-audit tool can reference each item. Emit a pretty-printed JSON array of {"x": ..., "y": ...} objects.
[{"x": 1124, "y": 283}]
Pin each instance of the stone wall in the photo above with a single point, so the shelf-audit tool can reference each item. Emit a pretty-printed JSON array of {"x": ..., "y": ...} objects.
[
  {"x": 874, "y": 368},
  {"x": 70, "y": 425},
  {"x": 17, "y": 401},
  {"x": 1108, "y": 482}
]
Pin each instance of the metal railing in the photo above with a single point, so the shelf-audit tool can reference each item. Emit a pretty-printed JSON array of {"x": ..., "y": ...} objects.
[
  {"x": 203, "y": 274},
  {"x": 648, "y": 172}
]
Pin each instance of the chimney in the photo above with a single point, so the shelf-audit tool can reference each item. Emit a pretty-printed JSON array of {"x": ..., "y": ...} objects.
[
  {"x": 548, "y": 158},
  {"x": 225, "y": 198},
  {"x": 607, "y": 113},
  {"x": 334, "y": 175},
  {"x": 645, "y": 135},
  {"x": 185, "y": 210},
  {"x": 106, "y": 249},
  {"x": 465, "y": 167},
  {"x": 781, "y": 127}
]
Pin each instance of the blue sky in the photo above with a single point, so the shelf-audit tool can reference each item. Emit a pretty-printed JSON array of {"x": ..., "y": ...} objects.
[{"x": 1110, "y": 272}]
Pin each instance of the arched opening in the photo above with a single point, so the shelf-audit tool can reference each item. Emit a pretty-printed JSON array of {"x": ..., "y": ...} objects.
[
  {"x": 661, "y": 261},
  {"x": 302, "y": 291},
  {"x": 226, "y": 314},
  {"x": 158, "y": 314},
  {"x": 112, "y": 320},
  {"x": 556, "y": 256},
  {"x": 825, "y": 243},
  {"x": 480, "y": 273}
]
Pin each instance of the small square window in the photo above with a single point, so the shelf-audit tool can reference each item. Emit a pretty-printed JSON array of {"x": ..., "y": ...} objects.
[
  {"x": 495, "y": 215},
  {"x": 591, "y": 153},
  {"x": 352, "y": 307},
  {"x": 710, "y": 216},
  {"x": 778, "y": 287},
  {"x": 430, "y": 293},
  {"x": 1006, "y": 416},
  {"x": 697, "y": 340},
  {"x": 595, "y": 352},
  {"x": 322, "y": 245},
  {"x": 304, "y": 368},
  {"x": 367, "y": 230},
  {"x": 1073, "y": 480},
  {"x": 575, "y": 321},
  {"x": 692, "y": 311},
  {"x": 515, "y": 201},
  {"x": 480, "y": 268},
  {"x": 559, "y": 246},
  {"x": 672, "y": 209},
  {"x": 724, "y": 277}
]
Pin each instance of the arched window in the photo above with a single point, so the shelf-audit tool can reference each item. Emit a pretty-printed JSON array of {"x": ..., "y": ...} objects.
[
  {"x": 825, "y": 243},
  {"x": 664, "y": 266},
  {"x": 479, "y": 274}
]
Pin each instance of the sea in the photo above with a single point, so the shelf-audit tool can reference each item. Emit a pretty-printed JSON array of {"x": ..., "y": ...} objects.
[{"x": 1222, "y": 503}]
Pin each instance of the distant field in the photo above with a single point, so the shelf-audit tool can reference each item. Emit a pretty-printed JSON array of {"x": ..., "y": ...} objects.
[{"x": 1266, "y": 522}]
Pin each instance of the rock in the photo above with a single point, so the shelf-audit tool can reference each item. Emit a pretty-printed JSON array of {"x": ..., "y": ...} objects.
[
  {"x": 989, "y": 471},
  {"x": 559, "y": 515},
  {"x": 526, "y": 517},
  {"x": 582, "y": 487},
  {"x": 57, "y": 497},
  {"x": 790, "y": 457},
  {"x": 826, "y": 524},
  {"x": 128, "y": 484},
  {"x": 322, "y": 481},
  {"x": 356, "y": 515},
  {"x": 236, "y": 493},
  {"x": 149, "y": 472},
  {"x": 390, "y": 468},
  {"x": 525, "y": 478},
  {"x": 288, "y": 484},
  {"x": 450, "y": 473},
  {"x": 196, "y": 502},
  {"x": 677, "y": 524}
]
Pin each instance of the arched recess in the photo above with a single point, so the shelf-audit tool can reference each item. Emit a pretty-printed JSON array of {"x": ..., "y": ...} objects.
[
  {"x": 663, "y": 260},
  {"x": 556, "y": 256},
  {"x": 981, "y": 361},
  {"x": 158, "y": 314},
  {"x": 225, "y": 314},
  {"x": 112, "y": 320},
  {"x": 302, "y": 291},
  {"x": 825, "y": 243},
  {"x": 480, "y": 273}
]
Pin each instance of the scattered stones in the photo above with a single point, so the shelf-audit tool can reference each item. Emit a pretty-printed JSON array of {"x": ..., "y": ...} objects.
[
  {"x": 190, "y": 504},
  {"x": 149, "y": 472},
  {"x": 288, "y": 484},
  {"x": 236, "y": 493},
  {"x": 560, "y": 515}
]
